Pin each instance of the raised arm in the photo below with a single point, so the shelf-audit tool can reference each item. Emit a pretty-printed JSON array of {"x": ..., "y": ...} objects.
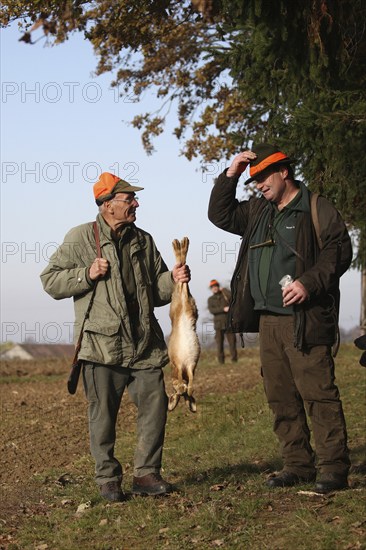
[{"x": 224, "y": 210}]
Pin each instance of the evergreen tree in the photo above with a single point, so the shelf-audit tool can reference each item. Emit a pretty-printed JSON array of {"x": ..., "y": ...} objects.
[
  {"x": 237, "y": 71},
  {"x": 301, "y": 68}
]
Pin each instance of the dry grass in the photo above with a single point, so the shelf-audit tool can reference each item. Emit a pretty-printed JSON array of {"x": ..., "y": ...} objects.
[{"x": 218, "y": 459}]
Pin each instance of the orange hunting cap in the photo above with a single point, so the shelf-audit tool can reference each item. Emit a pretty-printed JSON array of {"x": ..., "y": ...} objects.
[
  {"x": 109, "y": 184},
  {"x": 267, "y": 155},
  {"x": 213, "y": 282}
]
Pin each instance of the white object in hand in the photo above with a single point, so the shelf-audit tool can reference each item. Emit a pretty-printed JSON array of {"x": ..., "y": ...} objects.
[{"x": 285, "y": 281}]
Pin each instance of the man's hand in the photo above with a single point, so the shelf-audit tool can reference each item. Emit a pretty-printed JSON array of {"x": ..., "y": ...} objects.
[
  {"x": 226, "y": 309},
  {"x": 98, "y": 268},
  {"x": 294, "y": 293},
  {"x": 181, "y": 273},
  {"x": 240, "y": 163}
]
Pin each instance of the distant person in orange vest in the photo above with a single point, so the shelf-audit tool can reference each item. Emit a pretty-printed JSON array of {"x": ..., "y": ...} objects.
[{"x": 218, "y": 305}]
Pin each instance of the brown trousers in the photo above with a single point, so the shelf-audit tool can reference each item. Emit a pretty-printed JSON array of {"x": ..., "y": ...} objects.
[
  {"x": 297, "y": 383},
  {"x": 231, "y": 338}
]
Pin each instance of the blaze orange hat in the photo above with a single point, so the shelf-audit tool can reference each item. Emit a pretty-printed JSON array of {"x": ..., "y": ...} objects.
[
  {"x": 267, "y": 155},
  {"x": 108, "y": 185},
  {"x": 213, "y": 282}
]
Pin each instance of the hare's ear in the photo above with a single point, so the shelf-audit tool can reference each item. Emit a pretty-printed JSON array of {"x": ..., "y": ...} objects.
[{"x": 173, "y": 401}]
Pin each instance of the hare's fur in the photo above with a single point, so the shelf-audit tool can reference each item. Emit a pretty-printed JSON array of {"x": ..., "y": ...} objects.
[{"x": 183, "y": 347}]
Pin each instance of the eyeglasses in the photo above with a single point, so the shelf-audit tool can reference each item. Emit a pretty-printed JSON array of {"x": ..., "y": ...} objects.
[{"x": 129, "y": 201}]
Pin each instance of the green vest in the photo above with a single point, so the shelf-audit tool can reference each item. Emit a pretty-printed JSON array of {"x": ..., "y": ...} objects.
[{"x": 275, "y": 257}]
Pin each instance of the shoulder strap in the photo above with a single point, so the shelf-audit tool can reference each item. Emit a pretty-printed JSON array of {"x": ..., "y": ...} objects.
[
  {"x": 97, "y": 239},
  {"x": 315, "y": 218}
]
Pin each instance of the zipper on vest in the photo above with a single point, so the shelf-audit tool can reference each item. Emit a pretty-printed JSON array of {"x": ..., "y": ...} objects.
[{"x": 267, "y": 286}]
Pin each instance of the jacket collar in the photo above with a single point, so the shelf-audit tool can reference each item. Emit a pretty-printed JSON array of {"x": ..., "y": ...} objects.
[
  {"x": 300, "y": 203},
  {"x": 138, "y": 240}
]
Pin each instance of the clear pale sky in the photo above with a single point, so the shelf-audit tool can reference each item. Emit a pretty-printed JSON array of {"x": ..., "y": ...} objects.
[{"x": 61, "y": 127}]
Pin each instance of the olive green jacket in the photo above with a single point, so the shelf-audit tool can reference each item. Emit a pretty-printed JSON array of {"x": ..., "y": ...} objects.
[
  {"x": 107, "y": 337},
  {"x": 216, "y": 304}
]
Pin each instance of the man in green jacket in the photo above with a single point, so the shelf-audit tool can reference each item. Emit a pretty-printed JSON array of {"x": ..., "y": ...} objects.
[
  {"x": 286, "y": 286},
  {"x": 218, "y": 306},
  {"x": 122, "y": 345}
]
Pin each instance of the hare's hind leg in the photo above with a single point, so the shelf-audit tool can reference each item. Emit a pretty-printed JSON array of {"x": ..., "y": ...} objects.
[
  {"x": 184, "y": 245},
  {"x": 188, "y": 396},
  {"x": 177, "y": 251},
  {"x": 189, "y": 372}
]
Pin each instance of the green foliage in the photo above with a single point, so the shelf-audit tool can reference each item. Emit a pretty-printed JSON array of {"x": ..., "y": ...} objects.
[
  {"x": 306, "y": 62},
  {"x": 237, "y": 71}
]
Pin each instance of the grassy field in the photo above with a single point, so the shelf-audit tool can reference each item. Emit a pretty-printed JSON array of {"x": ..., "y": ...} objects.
[{"x": 218, "y": 459}]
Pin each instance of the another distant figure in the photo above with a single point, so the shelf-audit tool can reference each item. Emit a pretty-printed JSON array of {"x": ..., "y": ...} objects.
[{"x": 218, "y": 305}]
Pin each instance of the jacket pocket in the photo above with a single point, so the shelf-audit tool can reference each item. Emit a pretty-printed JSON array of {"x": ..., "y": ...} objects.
[
  {"x": 99, "y": 327},
  {"x": 321, "y": 323},
  {"x": 102, "y": 343}
]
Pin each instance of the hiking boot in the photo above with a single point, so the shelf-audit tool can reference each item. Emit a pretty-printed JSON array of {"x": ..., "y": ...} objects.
[
  {"x": 331, "y": 482},
  {"x": 112, "y": 491},
  {"x": 151, "y": 484},
  {"x": 288, "y": 479}
]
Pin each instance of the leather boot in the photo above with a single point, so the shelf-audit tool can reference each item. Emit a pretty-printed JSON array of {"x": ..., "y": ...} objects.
[
  {"x": 327, "y": 483},
  {"x": 288, "y": 479},
  {"x": 151, "y": 484},
  {"x": 112, "y": 491}
]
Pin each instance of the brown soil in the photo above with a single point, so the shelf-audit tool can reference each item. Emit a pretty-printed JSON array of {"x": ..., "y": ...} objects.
[{"x": 43, "y": 428}]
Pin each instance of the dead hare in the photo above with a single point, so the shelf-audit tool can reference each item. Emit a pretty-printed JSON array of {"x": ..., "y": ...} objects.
[{"x": 183, "y": 347}]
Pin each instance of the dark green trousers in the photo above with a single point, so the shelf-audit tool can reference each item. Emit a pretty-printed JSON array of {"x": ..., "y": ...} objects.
[
  {"x": 231, "y": 338},
  {"x": 297, "y": 383},
  {"x": 104, "y": 386}
]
